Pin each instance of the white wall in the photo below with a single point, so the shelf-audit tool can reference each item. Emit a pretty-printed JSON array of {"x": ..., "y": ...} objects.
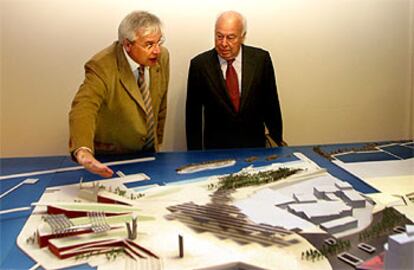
[
  {"x": 343, "y": 67},
  {"x": 412, "y": 67}
]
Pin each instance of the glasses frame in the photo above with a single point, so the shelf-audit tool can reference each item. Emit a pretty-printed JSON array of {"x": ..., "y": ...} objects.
[{"x": 149, "y": 46}]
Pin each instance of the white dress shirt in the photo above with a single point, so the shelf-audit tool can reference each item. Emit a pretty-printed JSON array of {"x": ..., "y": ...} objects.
[
  {"x": 135, "y": 66},
  {"x": 237, "y": 64}
]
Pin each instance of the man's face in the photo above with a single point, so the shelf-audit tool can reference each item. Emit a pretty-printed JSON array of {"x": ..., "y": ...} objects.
[
  {"x": 228, "y": 37},
  {"x": 146, "y": 49}
]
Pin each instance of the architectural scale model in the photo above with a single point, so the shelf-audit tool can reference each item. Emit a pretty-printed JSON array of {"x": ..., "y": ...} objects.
[
  {"x": 207, "y": 165},
  {"x": 287, "y": 215},
  {"x": 330, "y": 155},
  {"x": 30, "y": 181}
]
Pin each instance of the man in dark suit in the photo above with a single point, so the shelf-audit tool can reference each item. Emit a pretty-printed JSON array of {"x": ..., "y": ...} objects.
[{"x": 231, "y": 92}]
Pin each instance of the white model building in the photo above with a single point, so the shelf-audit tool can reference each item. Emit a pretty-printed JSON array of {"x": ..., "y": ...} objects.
[
  {"x": 304, "y": 198},
  {"x": 400, "y": 250},
  {"x": 331, "y": 197},
  {"x": 339, "y": 225},
  {"x": 343, "y": 185},
  {"x": 321, "y": 191},
  {"x": 352, "y": 198},
  {"x": 321, "y": 211}
]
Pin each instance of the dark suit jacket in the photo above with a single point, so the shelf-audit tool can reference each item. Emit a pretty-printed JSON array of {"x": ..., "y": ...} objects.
[
  {"x": 108, "y": 111},
  {"x": 208, "y": 102}
]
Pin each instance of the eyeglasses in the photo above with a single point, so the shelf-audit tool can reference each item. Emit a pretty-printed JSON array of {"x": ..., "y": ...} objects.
[{"x": 149, "y": 46}]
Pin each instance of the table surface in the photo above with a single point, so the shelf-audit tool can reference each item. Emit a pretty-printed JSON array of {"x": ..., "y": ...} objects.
[{"x": 161, "y": 170}]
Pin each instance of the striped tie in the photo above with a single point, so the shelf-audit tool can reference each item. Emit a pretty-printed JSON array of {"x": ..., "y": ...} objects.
[{"x": 149, "y": 143}]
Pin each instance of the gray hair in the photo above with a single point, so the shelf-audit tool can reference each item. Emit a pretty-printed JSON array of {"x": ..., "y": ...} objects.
[
  {"x": 138, "y": 21},
  {"x": 236, "y": 14}
]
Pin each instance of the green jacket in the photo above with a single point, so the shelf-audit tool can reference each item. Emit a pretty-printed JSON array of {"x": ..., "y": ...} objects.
[{"x": 108, "y": 111}]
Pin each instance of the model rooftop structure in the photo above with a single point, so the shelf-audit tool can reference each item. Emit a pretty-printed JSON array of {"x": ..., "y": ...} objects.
[
  {"x": 331, "y": 197},
  {"x": 77, "y": 209},
  {"x": 321, "y": 190},
  {"x": 353, "y": 198},
  {"x": 304, "y": 197},
  {"x": 343, "y": 185},
  {"x": 322, "y": 211},
  {"x": 339, "y": 225}
]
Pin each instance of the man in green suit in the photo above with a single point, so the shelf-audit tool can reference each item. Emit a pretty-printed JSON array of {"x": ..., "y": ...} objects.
[{"x": 122, "y": 103}]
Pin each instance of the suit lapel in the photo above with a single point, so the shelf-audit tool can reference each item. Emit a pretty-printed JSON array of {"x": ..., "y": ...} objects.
[
  {"x": 155, "y": 80},
  {"x": 213, "y": 72},
  {"x": 127, "y": 78},
  {"x": 248, "y": 68}
]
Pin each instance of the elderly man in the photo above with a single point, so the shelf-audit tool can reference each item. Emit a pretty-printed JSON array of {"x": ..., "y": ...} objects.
[
  {"x": 121, "y": 105},
  {"x": 231, "y": 92}
]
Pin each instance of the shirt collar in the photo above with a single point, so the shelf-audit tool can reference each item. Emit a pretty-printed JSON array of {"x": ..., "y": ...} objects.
[
  {"x": 237, "y": 60},
  {"x": 132, "y": 64}
]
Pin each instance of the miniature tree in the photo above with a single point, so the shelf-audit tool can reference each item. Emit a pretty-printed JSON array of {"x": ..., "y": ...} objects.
[{"x": 235, "y": 181}]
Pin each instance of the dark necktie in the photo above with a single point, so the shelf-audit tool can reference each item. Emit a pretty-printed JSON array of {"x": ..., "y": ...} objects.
[
  {"x": 149, "y": 143},
  {"x": 232, "y": 84}
]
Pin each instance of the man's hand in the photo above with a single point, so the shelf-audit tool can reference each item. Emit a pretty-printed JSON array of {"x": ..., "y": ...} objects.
[{"x": 88, "y": 161}]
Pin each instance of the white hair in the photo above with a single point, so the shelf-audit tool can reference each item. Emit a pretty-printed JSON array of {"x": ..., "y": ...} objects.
[
  {"x": 236, "y": 14},
  {"x": 138, "y": 21}
]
